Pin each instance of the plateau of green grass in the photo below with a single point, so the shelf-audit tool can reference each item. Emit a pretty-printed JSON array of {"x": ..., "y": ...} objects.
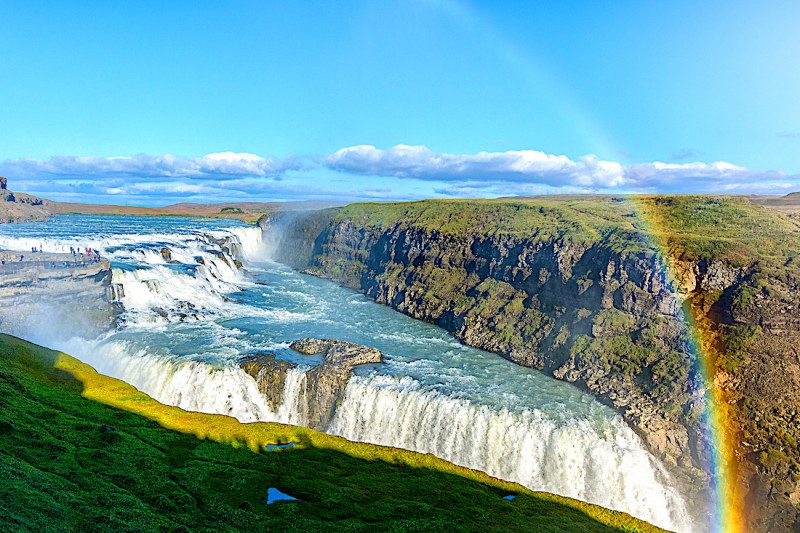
[
  {"x": 720, "y": 228},
  {"x": 577, "y": 218},
  {"x": 80, "y": 451}
]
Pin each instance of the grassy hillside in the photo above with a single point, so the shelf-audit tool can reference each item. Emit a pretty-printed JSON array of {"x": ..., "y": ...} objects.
[{"x": 80, "y": 451}]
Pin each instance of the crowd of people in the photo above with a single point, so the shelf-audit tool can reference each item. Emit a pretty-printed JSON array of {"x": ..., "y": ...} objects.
[{"x": 93, "y": 255}]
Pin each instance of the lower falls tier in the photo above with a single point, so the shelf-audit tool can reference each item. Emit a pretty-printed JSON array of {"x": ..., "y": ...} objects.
[{"x": 599, "y": 460}]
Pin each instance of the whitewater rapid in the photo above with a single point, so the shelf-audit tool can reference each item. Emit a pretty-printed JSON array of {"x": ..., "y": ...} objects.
[{"x": 189, "y": 315}]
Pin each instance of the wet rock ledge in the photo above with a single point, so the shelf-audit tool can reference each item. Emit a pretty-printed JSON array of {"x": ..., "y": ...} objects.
[
  {"x": 324, "y": 384},
  {"x": 335, "y": 352},
  {"x": 63, "y": 294}
]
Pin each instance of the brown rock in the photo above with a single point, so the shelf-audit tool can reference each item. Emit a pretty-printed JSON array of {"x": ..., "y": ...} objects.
[{"x": 337, "y": 352}]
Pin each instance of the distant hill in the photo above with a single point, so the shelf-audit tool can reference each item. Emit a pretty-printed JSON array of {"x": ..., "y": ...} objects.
[
  {"x": 246, "y": 211},
  {"x": 21, "y": 207},
  {"x": 789, "y": 201}
]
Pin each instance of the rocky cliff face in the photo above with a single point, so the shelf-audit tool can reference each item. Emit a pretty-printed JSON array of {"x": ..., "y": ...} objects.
[
  {"x": 578, "y": 311},
  {"x": 54, "y": 294},
  {"x": 757, "y": 325},
  {"x": 600, "y": 311}
]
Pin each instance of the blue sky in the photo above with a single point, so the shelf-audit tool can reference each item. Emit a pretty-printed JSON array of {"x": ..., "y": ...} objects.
[{"x": 155, "y": 102}]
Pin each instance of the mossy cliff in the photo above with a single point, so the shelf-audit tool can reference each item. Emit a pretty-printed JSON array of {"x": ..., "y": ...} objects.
[
  {"x": 578, "y": 288},
  {"x": 80, "y": 451}
]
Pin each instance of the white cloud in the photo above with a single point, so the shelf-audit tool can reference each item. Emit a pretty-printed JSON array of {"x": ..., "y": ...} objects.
[
  {"x": 718, "y": 177},
  {"x": 419, "y": 162},
  {"x": 367, "y": 172},
  {"x": 535, "y": 172},
  {"x": 222, "y": 165}
]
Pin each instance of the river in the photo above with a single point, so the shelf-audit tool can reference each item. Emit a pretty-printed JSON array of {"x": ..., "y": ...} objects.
[{"x": 191, "y": 314}]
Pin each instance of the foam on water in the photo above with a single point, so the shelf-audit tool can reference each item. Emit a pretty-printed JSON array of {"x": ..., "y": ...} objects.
[{"x": 602, "y": 463}]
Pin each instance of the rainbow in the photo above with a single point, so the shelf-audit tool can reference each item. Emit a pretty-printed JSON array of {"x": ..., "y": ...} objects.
[{"x": 727, "y": 505}]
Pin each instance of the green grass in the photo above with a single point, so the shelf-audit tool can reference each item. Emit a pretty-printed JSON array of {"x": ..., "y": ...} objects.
[
  {"x": 577, "y": 219},
  {"x": 728, "y": 229},
  {"x": 80, "y": 451}
]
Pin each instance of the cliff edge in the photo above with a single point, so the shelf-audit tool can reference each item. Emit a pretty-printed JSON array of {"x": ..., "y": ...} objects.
[{"x": 55, "y": 295}]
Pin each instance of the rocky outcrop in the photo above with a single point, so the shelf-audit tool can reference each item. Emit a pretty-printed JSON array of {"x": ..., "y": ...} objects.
[
  {"x": 21, "y": 207},
  {"x": 335, "y": 352},
  {"x": 269, "y": 374},
  {"x": 57, "y": 293},
  {"x": 324, "y": 383}
]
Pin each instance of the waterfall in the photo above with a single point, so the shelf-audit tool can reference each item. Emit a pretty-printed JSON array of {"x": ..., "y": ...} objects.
[
  {"x": 294, "y": 407},
  {"x": 603, "y": 463},
  {"x": 193, "y": 283},
  {"x": 193, "y": 385},
  {"x": 184, "y": 329},
  {"x": 598, "y": 461},
  {"x": 251, "y": 240}
]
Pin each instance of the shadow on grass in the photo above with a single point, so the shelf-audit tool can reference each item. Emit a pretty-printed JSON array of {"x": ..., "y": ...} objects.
[{"x": 82, "y": 451}]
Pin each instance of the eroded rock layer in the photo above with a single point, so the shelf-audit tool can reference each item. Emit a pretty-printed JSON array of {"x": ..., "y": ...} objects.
[
  {"x": 46, "y": 295},
  {"x": 323, "y": 384}
]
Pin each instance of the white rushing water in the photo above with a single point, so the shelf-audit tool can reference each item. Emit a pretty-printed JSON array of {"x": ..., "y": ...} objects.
[
  {"x": 599, "y": 463},
  {"x": 188, "y": 320}
]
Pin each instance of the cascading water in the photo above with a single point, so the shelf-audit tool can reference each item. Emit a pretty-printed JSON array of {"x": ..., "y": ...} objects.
[
  {"x": 588, "y": 460},
  {"x": 191, "y": 313}
]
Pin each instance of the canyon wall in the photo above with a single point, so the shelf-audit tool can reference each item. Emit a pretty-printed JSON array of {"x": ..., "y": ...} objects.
[{"x": 581, "y": 292}]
